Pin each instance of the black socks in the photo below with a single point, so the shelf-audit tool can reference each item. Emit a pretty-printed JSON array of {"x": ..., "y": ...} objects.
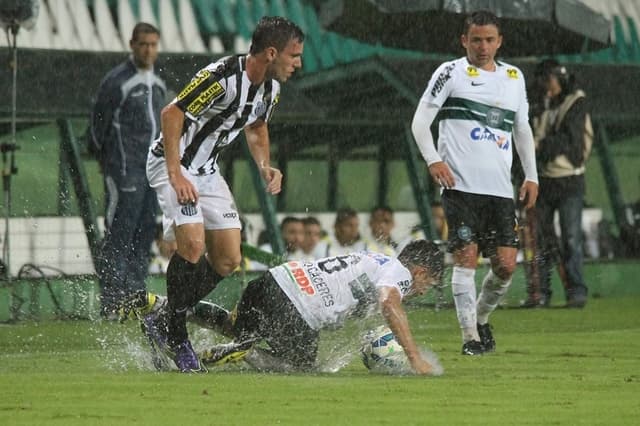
[{"x": 187, "y": 283}]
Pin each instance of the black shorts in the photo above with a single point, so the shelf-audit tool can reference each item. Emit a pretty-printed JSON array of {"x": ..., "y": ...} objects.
[
  {"x": 486, "y": 220},
  {"x": 265, "y": 312}
]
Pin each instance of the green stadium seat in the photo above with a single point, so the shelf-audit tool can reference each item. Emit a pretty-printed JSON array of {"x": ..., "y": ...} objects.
[
  {"x": 205, "y": 16},
  {"x": 310, "y": 63},
  {"x": 214, "y": 17},
  {"x": 105, "y": 26},
  {"x": 148, "y": 12},
  {"x": 244, "y": 20},
  {"x": 127, "y": 19},
  {"x": 277, "y": 8},
  {"x": 621, "y": 48},
  {"x": 634, "y": 45},
  {"x": 295, "y": 13},
  {"x": 135, "y": 8},
  {"x": 188, "y": 25},
  {"x": 317, "y": 36},
  {"x": 258, "y": 9}
]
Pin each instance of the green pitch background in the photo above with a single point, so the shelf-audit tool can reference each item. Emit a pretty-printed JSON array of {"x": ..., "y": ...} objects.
[{"x": 552, "y": 366}]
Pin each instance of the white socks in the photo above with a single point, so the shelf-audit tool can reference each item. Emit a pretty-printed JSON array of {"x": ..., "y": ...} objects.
[
  {"x": 463, "y": 287},
  {"x": 493, "y": 288}
]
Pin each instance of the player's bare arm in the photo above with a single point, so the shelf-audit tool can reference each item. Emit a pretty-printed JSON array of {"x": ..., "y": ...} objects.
[
  {"x": 172, "y": 119},
  {"x": 395, "y": 315},
  {"x": 257, "y": 135}
]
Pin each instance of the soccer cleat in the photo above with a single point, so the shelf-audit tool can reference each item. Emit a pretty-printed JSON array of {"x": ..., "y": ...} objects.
[
  {"x": 186, "y": 359},
  {"x": 472, "y": 347},
  {"x": 226, "y": 353},
  {"x": 138, "y": 305},
  {"x": 486, "y": 337},
  {"x": 155, "y": 328}
]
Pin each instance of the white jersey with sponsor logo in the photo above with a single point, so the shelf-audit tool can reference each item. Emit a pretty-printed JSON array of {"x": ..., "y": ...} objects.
[
  {"x": 218, "y": 103},
  {"x": 478, "y": 110},
  {"x": 327, "y": 291}
]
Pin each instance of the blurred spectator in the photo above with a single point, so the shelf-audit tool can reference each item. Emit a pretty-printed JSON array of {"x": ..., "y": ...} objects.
[
  {"x": 161, "y": 252},
  {"x": 346, "y": 231},
  {"x": 292, "y": 231},
  {"x": 125, "y": 120},
  {"x": 381, "y": 223},
  {"x": 563, "y": 135},
  {"x": 313, "y": 247},
  {"x": 439, "y": 222}
]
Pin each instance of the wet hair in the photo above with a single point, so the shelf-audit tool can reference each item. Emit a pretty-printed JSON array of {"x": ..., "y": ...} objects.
[
  {"x": 426, "y": 254},
  {"x": 143, "y": 28},
  {"x": 274, "y": 31},
  {"x": 345, "y": 213},
  {"x": 480, "y": 18}
]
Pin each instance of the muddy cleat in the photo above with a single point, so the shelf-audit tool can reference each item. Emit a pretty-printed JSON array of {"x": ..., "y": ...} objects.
[
  {"x": 472, "y": 347},
  {"x": 186, "y": 359},
  {"x": 226, "y": 353},
  {"x": 155, "y": 328},
  {"x": 486, "y": 337}
]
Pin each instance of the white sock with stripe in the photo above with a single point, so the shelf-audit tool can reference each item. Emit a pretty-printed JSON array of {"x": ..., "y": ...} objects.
[
  {"x": 463, "y": 287},
  {"x": 493, "y": 289}
]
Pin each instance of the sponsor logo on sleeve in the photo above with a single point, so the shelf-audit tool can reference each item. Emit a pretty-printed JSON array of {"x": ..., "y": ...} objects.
[
  {"x": 442, "y": 79},
  {"x": 214, "y": 91},
  {"x": 196, "y": 81}
]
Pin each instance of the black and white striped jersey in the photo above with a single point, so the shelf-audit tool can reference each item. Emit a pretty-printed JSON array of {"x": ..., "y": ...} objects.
[{"x": 218, "y": 102}]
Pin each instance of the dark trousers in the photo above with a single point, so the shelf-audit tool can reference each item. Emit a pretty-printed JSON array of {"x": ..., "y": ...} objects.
[
  {"x": 130, "y": 220},
  {"x": 564, "y": 195},
  {"x": 266, "y": 313}
]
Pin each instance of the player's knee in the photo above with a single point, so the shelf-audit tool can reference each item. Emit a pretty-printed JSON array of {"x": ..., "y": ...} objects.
[
  {"x": 227, "y": 264},
  {"x": 504, "y": 269},
  {"x": 191, "y": 250}
]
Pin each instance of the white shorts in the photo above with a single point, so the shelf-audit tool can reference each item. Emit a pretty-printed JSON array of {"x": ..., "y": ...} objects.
[{"x": 215, "y": 208}]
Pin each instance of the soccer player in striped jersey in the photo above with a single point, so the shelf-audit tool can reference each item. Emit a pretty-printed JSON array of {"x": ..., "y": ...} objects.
[
  {"x": 483, "y": 111},
  {"x": 233, "y": 94}
]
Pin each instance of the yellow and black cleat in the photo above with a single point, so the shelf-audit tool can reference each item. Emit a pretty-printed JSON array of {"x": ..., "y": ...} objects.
[{"x": 226, "y": 353}]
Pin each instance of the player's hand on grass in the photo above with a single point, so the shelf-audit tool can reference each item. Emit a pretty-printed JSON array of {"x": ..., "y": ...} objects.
[{"x": 421, "y": 366}]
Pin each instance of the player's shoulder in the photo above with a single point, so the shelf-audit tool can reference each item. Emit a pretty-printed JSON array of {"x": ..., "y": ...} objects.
[
  {"x": 120, "y": 73},
  {"x": 224, "y": 67},
  {"x": 447, "y": 67},
  {"x": 510, "y": 71},
  {"x": 275, "y": 85}
]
